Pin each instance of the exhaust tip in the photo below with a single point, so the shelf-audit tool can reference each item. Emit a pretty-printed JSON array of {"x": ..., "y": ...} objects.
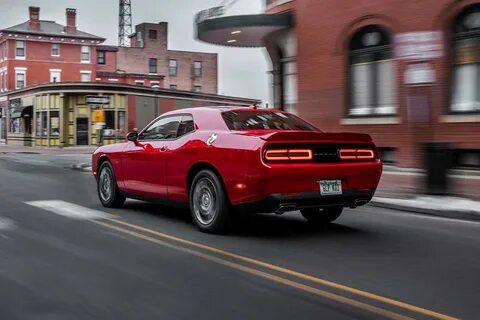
[{"x": 285, "y": 207}]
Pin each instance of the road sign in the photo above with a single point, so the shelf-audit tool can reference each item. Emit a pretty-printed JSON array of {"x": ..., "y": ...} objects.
[{"x": 98, "y": 100}]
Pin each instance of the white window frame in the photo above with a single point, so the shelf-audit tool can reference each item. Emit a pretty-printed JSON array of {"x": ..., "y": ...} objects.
[
  {"x": 22, "y": 71},
  {"x": 89, "y": 54},
  {"x": 83, "y": 72},
  {"x": 56, "y": 71},
  {"x": 51, "y": 50},
  {"x": 24, "y": 50},
  {"x": 142, "y": 82},
  {"x": 112, "y": 80}
]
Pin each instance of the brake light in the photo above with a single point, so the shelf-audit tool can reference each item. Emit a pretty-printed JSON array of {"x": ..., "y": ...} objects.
[
  {"x": 356, "y": 154},
  {"x": 289, "y": 154}
]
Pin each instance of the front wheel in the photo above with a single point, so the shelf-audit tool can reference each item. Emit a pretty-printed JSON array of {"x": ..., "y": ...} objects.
[
  {"x": 108, "y": 192},
  {"x": 209, "y": 205},
  {"x": 323, "y": 216}
]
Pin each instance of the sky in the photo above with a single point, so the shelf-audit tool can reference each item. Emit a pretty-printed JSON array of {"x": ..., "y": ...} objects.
[{"x": 242, "y": 71}]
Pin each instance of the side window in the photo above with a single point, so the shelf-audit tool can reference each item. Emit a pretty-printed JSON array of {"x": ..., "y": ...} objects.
[
  {"x": 163, "y": 128},
  {"x": 186, "y": 126}
]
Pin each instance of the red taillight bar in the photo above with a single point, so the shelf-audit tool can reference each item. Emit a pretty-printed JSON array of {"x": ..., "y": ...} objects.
[
  {"x": 289, "y": 154},
  {"x": 356, "y": 154}
]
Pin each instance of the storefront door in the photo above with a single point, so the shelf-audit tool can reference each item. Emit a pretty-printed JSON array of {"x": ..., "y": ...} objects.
[{"x": 82, "y": 131}]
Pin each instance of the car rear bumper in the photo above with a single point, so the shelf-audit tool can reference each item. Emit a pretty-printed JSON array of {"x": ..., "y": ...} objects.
[{"x": 281, "y": 203}]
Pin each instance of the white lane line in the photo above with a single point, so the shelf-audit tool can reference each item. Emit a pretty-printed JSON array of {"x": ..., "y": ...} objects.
[{"x": 70, "y": 210}]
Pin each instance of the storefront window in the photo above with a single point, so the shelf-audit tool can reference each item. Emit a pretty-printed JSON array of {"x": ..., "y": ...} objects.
[
  {"x": 466, "y": 64},
  {"x": 16, "y": 125},
  {"x": 372, "y": 73},
  {"x": 121, "y": 122},
  {"x": 54, "y": 123},
  {"x": 41, "y": 124}
]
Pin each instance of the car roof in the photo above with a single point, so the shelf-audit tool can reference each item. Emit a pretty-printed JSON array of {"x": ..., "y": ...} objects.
[{"x": 209, "y": 117}]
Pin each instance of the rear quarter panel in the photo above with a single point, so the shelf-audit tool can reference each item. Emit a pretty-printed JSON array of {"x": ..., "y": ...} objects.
[{"x": 235, "y": 157}]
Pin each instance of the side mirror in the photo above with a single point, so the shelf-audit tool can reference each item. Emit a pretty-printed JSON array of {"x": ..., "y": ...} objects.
[{"x": 132, "y": 136}]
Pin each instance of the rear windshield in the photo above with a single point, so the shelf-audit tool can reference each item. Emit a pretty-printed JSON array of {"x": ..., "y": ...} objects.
[{"x": 261, "y": 120}]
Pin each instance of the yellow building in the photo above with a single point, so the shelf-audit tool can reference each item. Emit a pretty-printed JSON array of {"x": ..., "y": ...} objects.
[{"x": 69, "y": 119}]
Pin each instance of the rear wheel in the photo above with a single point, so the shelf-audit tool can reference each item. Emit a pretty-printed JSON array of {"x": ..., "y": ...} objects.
[
  {"x": 321, "y": 216},
  {"x": 108, "y": 192},
  {"x": 209, "y": 205}
]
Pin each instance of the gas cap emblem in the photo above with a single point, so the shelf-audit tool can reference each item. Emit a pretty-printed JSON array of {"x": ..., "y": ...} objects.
[{"x": 212, "y": 139}]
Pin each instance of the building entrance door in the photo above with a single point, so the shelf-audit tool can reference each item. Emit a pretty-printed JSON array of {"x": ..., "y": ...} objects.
[{"x": 82, "y": 131}]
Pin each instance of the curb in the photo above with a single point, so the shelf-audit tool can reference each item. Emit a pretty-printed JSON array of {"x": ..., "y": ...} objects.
[{"x": 459, "y": 215}]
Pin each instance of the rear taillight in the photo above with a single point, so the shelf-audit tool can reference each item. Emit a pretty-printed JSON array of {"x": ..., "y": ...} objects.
[
  {"x": 288, "y": 155},
  {"x": 356, "y": 154}
]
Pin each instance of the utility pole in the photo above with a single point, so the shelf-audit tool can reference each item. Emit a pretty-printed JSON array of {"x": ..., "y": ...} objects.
[{"x": 124, "y": 23}]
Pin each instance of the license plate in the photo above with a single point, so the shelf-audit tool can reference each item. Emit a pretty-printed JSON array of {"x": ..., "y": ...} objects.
[{"x": 330, "y": 187}]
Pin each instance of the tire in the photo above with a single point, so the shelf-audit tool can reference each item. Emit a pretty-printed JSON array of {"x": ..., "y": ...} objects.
[
  {"x": 323, "y": 216},
  {"x": 209, "y": 205},
  {"x": 107, "y": 188}
]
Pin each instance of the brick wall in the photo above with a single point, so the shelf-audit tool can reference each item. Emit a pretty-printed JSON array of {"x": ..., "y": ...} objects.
[
  {"x": 324, "y": 28},
  {"x": 135, "y": 59},
  {"x": 38, "y": 62},
  {"x": 184, "y": 79}
]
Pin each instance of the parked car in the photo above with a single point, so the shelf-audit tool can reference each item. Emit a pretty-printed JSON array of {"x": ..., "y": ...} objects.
[{"x": 222, "y": 160}]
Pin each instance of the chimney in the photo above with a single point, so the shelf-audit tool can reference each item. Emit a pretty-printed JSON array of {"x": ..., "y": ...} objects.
[
  {"x": 71, "y": 21},
  {"x": 34, "y": 22}
]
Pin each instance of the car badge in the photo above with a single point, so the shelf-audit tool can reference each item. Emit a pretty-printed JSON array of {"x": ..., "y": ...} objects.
[{"x": 212, "y": 139}]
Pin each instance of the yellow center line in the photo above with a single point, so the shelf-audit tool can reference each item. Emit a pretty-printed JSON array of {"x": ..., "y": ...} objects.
[
  {"x": 293, "y": 273},
  {"x": 265, "y": 275}
]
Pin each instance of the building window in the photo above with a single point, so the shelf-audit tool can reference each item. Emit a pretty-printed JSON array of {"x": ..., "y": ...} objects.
[
  {"x": 197, "y": 89},
  {"x": 55, "y": 49},
  {"x": 16, "y": 125},
  {"x": 152, "y": 34},
  {"x": 109, "y": 119},
  {"x": 20, "y": 49},
  {"x": 85, "y": 54},
  {"x": 101, "y": 57},
  {"x": 152, "y": 65},
  {"x": 55, "y": 75},
  {"x": 19, "y": 79},
  {"x": 371, "y": 70},
  {"x": 42, "y": 123},
  {"x": 54, "y": 123},
  {"x": 121, "y": 121},
  {"x": 197, "y": 69},
  {"x": 85, "y": 76},
  {"x": 139, "y": 82},
  {"x": 173, "y": 86},
  {"x": 172, "y": 67},
  {"x": 466, "y": 64}
]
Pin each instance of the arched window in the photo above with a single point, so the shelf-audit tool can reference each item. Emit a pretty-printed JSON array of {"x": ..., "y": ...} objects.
[
  {"x": 372, "y": 82},
  {"x": 466, "y": 61}
]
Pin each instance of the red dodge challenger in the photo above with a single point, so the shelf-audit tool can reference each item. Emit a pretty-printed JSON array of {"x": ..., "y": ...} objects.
[{"x": 221, "y": 160}]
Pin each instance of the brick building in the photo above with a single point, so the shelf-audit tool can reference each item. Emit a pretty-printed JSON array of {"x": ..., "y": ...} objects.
[
  {"x": 405, "y": 72},
  {"x": 41, "y": 51}
]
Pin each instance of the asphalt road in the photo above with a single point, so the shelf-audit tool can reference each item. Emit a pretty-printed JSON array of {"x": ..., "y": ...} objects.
[{"x": 63, "y": 256}]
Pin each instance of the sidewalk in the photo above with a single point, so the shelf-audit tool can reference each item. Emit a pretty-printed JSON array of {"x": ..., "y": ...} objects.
[
  {"x": 441, "y": 206},
  {"x": 46, "y": 150}
]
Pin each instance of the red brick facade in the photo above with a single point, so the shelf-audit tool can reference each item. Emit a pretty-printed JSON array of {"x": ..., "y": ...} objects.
[
  {"x": 323, "y": 33},
  {"x": 130, "y": 65},
  {"x": 151, "y": 41}
]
